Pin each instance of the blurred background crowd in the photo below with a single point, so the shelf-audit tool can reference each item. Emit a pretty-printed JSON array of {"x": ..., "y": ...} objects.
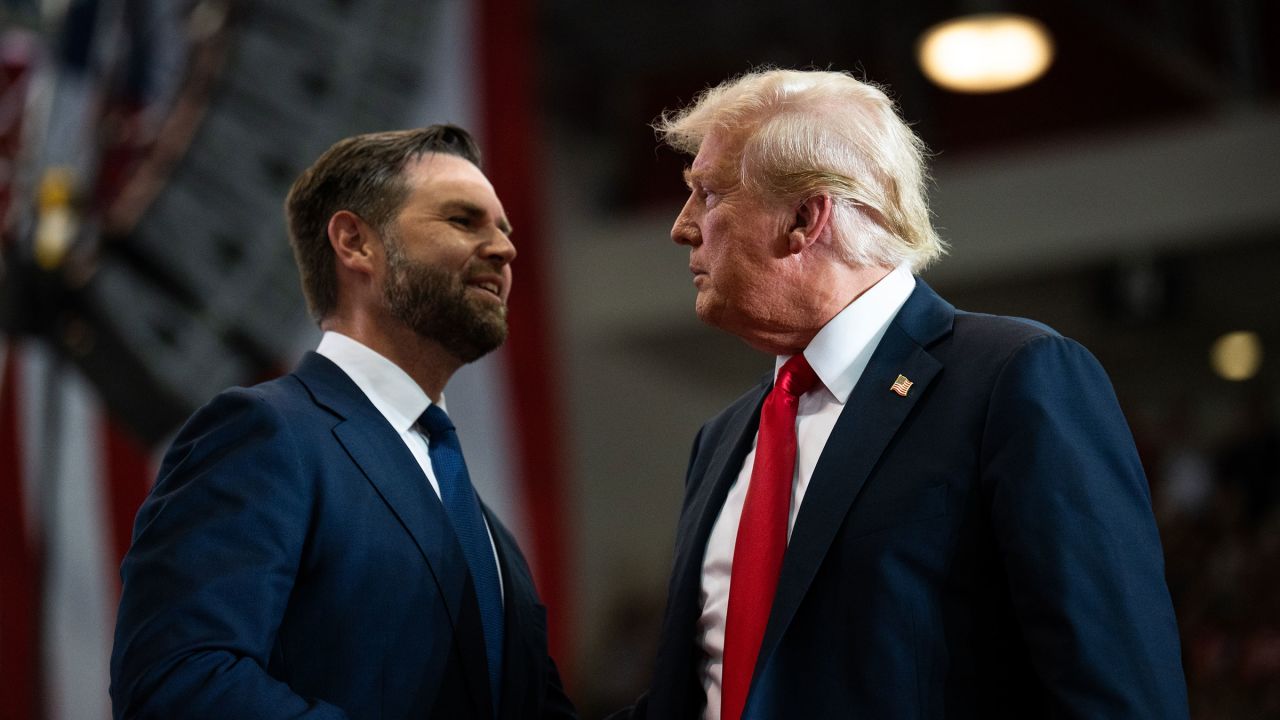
[{"x": 1119, "y": 183}]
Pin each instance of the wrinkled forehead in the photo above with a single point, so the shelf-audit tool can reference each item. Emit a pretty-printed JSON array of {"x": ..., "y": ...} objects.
[
  {"x": 438, "y": 177},
  {"x": 719, "y": 155},
  {"x": 443, "y": 168},
  {"x": 442, "y": 179}
]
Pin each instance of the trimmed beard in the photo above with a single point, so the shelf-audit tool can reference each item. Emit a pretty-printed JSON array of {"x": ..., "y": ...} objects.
[{"x": 436, "y": 305}]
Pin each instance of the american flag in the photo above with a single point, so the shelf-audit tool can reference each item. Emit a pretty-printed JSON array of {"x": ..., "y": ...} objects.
[
  {"x": 901, "y": 385},
  {"x": 71, "y": 476}
]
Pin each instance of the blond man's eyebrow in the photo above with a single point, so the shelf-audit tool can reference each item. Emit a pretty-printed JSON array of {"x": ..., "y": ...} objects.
[{"x": 691, "y": 176}]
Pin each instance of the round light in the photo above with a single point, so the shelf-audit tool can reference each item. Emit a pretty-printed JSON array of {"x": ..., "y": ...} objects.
[
  {"x": 985, "y": 53},
  {"x": 1236, "y": 355}
]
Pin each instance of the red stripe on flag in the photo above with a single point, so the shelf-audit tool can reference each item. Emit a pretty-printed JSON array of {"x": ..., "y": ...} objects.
[
  {"x": 19, "y": 573},
  {"x": 127, "y": 478},
  {"x": 509, "y": 127}
]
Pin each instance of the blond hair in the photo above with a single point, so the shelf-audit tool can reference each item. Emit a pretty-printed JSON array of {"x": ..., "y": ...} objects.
[{"x": 821, "y": 132}]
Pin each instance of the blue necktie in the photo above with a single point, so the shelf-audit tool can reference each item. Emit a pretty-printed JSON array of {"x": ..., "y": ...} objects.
[{"x": 463, "y": 510}]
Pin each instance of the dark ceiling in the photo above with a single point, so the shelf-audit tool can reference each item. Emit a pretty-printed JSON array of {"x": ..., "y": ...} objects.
[{"x": 608, "y": 68}]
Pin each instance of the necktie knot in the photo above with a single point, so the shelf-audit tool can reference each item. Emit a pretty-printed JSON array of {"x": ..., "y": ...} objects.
[
  {"x": 435, "y": 421},
  {"x": 796, "y": 377}
]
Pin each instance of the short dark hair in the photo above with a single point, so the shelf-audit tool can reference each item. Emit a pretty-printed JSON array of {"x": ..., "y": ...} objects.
[{"x": 363, "y": 174}]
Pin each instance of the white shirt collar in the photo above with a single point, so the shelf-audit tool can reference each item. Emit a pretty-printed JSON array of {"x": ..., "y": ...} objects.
[
  {"x": 843, "y": 347},
  {"x": 400, "y": 400}
]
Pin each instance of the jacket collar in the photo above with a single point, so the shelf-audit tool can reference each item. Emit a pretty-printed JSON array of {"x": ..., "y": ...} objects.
[{"x": 386, "y": 463}]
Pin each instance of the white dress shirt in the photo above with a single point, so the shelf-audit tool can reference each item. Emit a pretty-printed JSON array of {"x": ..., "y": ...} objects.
[
  {"x": 397, "y": 397},
  {"x": 838, "y": 354}
]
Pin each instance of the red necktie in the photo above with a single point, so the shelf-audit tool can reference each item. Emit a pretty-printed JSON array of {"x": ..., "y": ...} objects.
[{"x": 762, "y": 533}]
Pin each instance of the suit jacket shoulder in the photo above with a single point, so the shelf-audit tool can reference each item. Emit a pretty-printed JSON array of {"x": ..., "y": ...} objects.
[
  {"x": 980, "y": 546},
  {"x": 258, "y": 584}
]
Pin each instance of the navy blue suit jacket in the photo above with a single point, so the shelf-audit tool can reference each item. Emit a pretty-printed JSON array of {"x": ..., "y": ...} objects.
[
  {"x": 292, "y": 561},
  {"x": 981, "y": 548}
]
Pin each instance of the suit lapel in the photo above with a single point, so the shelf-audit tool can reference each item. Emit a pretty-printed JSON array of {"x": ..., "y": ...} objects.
[
  {"x": 868, "y": 423},
  {"x": 707, "y": 491},
  {"x": 377, "y": 450},
  {"x": 522, "y": 655},
  {"x": 712, "y": 489}
]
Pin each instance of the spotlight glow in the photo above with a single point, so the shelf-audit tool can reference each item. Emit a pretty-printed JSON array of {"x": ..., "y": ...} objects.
[
  {"x": 985, "y": 53},
  {"x": 1237, "y": 355}
]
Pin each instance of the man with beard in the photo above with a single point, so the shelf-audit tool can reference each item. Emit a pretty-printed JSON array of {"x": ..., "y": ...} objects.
[{"x": 313, "y": 547}]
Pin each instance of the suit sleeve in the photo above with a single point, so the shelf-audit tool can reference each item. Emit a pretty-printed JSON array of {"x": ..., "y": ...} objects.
[
  {"x": 1071, "y": 513},
  {"x": 216, "y": 548},
  {"x": 557, "y": 705}
]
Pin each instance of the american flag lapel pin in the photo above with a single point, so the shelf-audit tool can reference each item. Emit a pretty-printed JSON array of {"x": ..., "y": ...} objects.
[{"x": 901, "y": 385}]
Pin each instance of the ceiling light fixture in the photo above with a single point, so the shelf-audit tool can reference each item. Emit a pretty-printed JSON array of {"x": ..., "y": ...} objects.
[
  {"x": 1237, "y": 355},
  {"x": 985, "y": 53}
]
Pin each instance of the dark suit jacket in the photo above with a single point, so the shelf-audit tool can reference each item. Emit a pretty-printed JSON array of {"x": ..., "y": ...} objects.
[
  {"x": 292, "y": 561},
  {"x": 981, "y": 548}
]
